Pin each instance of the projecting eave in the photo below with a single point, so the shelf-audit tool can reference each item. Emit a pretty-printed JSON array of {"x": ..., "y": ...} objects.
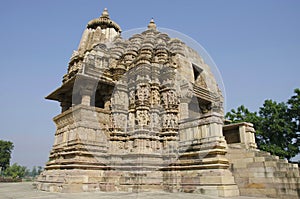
[
  {"x": 67, "y": 89},
  {"x": 62, "y": 91}
]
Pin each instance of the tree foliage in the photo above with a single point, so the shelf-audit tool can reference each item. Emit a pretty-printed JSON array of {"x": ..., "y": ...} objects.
[
  {"x": 15, "y": 171},
  {"x": 276, "y": 130},
  {"x": 6, "y": 148},
  {"x": 294, "y": 109},
  {"x": 34, "y": 172},
  {"x": 276, "y": 124},
  {"x": 242, "y": 114}
]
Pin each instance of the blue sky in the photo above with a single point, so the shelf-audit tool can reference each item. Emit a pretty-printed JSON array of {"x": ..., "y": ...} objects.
[{"x": 255, "y": 44}]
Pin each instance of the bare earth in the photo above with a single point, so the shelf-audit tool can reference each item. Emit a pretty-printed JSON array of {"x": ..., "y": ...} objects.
[{"x": 25, "y": 190}]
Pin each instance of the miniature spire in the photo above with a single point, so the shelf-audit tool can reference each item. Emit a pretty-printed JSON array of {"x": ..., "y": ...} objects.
[
  {"x": 152, "y": 25},
  {"x": 104, "y": 22},
  {"x": 105, "y": 13}
]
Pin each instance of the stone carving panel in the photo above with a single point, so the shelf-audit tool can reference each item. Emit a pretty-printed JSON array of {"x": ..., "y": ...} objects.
[
  {"x": 120, "y": 98},
  {"x": 155, "y": 120},
  {"x": 170, "y": 120},
  {"x": 131, "y": 119},
  {"x": 142, "y": 117},
  {"x": 143, "y": 94},
  {"x": 119, "y": 120},
  {"x": 169, "y": 99},
  {"x": 155, "y": 98},
  {"x": 132, "y": 97}
]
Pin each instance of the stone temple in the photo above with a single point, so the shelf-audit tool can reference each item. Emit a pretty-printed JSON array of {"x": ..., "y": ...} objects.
[{"x": 146, "y": 114}]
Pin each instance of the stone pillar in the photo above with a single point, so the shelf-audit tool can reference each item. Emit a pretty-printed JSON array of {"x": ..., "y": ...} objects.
[
  {"x": 184, "y": 109},
  {"x": 119, "y": 106},
  {"x": 86, "y": 100},
  {"x": 87, "y": 90},
  {"x": 185, "y": 99}
]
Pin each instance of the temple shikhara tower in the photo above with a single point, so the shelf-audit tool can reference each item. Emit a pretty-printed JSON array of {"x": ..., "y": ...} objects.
[{"x": 146, "y": 114}]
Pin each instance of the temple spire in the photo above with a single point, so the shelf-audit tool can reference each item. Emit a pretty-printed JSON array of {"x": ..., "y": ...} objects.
[
  {"x": 104, "y": 22},
  {"x": 152, "y": 25},
  {"x": 105, "y": 13}
]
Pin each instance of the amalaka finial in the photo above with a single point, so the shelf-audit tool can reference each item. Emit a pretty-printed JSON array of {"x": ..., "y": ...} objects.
[
  {"x": 152, "y": 25},
  {"x": 105, "y": 13}
]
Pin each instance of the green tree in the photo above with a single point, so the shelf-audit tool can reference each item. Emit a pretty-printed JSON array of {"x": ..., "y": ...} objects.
[
  {"x": 27, "y": 173},
  {"x": 15, "y": 171},
  {"x": 276, "y": 130},
  {"x": 276, "y": 124},
  {"x": 6, "y": 148},
  {"x": 33, "y": 172},
  {"x": 294, "y": 109},
  {"x": 241, "y": 114},
  {"x": 40, "y": 170}
]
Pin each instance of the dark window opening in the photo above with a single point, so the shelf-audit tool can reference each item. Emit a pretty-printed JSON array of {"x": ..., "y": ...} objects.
[
  {"x": 197, "y": 71},
  {"x": 232, "y": 135},
  {"x": 99, "y": 101}
]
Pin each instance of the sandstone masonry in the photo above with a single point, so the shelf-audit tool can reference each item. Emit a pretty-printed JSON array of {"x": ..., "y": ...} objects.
[{"x": 145, "y": 114}]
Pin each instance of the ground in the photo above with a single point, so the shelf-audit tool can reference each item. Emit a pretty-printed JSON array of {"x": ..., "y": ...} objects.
[{"x": 25, "y": 190}]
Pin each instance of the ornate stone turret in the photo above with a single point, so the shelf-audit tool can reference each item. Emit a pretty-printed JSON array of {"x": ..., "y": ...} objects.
[{"x": 99, "y": 30}]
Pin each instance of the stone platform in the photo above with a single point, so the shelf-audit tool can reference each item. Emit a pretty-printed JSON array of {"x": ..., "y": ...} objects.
[{"x": 25, "y": 190}]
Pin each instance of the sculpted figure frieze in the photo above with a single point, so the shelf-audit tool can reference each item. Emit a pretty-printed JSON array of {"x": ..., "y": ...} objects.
[
  {"x": 142, "y": 117},
  {"x": 155, "y": 98},
  {"x": 143, "y": 93}
]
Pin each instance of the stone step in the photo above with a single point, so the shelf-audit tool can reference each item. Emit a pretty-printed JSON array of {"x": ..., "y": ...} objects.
[
  {"x": 259, "y": 156},
  {"x": 258, "y": 173},
  {"x": 271, "y": 158},
  {"x": 262, "y": 153}
]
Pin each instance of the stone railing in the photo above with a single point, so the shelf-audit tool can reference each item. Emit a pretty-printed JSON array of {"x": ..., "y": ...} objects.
[{"x": 242, "y": 134}]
